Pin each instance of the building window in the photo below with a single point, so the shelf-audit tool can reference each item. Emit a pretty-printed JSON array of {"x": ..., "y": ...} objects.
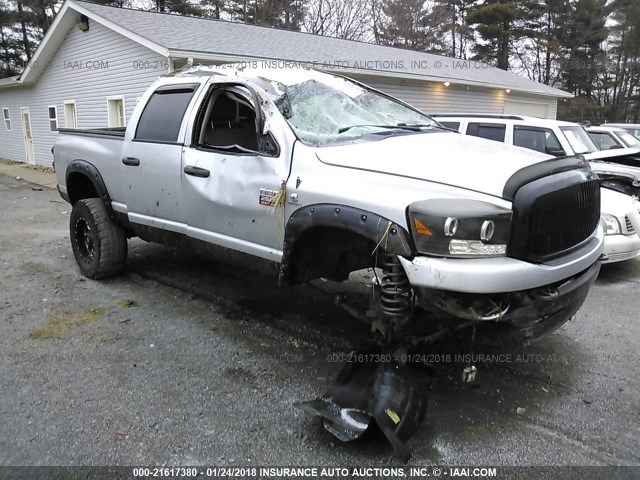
[
  {"x": 53, "y": 118},
  {"x": 115, "y": 112},
  {"x": 70, "y": 116},
  {"x": 7, "y": 119}
]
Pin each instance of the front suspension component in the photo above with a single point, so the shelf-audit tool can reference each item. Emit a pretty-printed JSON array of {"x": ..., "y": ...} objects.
[{"x": 396, "y": 294}]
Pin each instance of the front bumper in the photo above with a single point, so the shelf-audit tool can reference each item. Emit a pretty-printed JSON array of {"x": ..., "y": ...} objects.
[
  {"x": 620, "y": 247},
  {"x": 500, "y": 274},
  {"x": 532, "y": 312}
]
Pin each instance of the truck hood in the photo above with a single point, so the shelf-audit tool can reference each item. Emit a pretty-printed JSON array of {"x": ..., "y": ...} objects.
[
  {"x": 612, "y": 155},
  {"x": 443, "y": 157},
  {"x": 616, "y": 203}
]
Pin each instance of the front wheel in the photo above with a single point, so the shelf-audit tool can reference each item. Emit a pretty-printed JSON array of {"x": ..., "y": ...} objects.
[{"x": 99, "y": 245}]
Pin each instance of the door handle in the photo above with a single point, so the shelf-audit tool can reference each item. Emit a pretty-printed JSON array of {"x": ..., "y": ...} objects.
[
  {"x": 131, "y": 161},
  {"x": 196, "y": 171}
]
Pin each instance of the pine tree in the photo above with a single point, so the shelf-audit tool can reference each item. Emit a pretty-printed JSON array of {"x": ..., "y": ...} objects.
[
  {"x": 584, "y": 55},
  {"x": 410, "y": 24},
  {"x": 540, "y": 34},
  {"x": 454, "y": 14},
  {"x": 288, "y": 14},
  {"x": 494, "y": 20}
]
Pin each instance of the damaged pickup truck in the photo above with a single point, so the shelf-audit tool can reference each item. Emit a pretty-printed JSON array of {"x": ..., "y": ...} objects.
[{"x": 323, "y": 176}]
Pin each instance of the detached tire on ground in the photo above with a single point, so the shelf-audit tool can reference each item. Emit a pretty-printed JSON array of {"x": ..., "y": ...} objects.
[{"x": 99, "y": 245}]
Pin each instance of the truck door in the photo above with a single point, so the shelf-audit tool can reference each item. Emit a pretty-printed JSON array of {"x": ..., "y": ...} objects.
[
  {"x": 151, "y": 160},
  {"x": 232, "y": 175}
]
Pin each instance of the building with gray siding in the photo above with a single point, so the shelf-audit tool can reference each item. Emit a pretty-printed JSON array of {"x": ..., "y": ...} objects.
[{"x": 96, "y": 61}]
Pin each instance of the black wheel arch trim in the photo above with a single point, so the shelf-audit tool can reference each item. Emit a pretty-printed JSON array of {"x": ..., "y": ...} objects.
[
  {"x": 356, "y": 220},
  {"x": 542, "y": 169},
  {"x": 91, "y": 172}
]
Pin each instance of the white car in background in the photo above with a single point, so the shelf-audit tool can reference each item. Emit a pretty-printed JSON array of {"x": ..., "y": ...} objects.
[
  {"x": 611, "y": 138},
  {"x": 632, "y": 128},
  {"x": 619, "y": 211},
  {"x": 622, "y": 230},
  {"x": 619, "y": 169}
]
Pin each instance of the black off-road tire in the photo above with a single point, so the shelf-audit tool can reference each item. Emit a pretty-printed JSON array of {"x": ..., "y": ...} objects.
[{"x": 99, "y": 245}]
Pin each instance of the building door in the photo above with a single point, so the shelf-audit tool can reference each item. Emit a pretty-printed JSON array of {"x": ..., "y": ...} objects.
[{"x": 28, "y": 136}]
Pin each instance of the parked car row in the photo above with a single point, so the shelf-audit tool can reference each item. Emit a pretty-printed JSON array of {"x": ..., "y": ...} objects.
[{"x": 613, "y": 152}]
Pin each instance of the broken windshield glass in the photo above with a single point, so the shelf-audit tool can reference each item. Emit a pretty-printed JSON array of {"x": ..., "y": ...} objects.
[{"x": 323, "y": 113}]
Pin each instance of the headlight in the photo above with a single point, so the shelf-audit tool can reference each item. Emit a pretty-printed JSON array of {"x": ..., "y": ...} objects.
[
  {"x": 611, "y": 224},
  {"x": 451, "y": 227}
]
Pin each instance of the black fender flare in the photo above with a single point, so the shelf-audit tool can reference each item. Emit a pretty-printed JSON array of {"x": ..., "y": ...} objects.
[
  {"x": 393, "y": 238},
  {"x": 91, "y": 172}
]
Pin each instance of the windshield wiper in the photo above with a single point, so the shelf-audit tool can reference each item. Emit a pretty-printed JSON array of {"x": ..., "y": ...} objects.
[{"x": 400, "y": 126}]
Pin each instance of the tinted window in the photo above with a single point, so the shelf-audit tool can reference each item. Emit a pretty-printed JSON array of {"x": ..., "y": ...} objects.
[
  {"x": 490, "y": 131},
  {"x": 452, "y": 125},
  {"x": 162, "y": 116},
  {"x": 540, "y": 139},
  {"x": 604, "y": 141}
]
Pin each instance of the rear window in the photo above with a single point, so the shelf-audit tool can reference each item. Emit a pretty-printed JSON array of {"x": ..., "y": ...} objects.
[
  {"x": 162, "y": 116},
  {"x": 490, "y": 131}
]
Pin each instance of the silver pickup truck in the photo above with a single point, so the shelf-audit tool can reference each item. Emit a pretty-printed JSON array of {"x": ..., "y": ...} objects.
[{"x": 324, "y": 176}]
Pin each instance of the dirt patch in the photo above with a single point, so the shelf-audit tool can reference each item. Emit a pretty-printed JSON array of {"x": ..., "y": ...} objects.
[
  {"x": 59, "y": 327},
  {"x": 40, "y": 168},
  {"x": 127, "y": 303}
]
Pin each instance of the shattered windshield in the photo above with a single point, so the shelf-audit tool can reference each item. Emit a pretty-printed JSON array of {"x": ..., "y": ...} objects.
[{"x": 325, "y": 113}]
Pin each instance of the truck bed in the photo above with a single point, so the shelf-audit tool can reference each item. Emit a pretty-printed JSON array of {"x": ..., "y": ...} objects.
[{"x": 113, "y": 132}]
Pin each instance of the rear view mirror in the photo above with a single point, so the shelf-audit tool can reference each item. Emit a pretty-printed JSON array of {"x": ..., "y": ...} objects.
[{"x": 556, "y": 151}]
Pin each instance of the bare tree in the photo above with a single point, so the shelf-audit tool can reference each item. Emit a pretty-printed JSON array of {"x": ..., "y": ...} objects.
[{"x": 348, "y": 19}]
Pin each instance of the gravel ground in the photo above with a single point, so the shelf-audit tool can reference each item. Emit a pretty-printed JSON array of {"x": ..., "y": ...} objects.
[{"x": 191, "y": 362}]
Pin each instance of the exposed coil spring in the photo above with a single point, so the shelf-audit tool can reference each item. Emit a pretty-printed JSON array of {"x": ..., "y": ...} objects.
[{"x": 396, "y": 295}]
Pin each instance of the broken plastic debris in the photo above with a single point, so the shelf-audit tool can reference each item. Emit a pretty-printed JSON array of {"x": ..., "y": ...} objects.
[
  {"x": 392, "y": 415},
  {"x": 520, "y": 410},
  {"x": 391, "y": 393},
  {"x": 469, "y": 374}
]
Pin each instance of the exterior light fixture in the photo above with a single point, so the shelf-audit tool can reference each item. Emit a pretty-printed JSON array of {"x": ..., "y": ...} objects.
[
  {"x": 446, "y": 84},
  {"x": 508, "y": 90},
  {"x": 83, "y": 23}
]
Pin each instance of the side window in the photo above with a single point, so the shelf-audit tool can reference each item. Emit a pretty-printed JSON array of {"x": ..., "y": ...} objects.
[
  {"x": 490, "y": 131},
  {"x": 228, "y": 121},
  {"x": 7, "y": 119},
  {"x": 452, "y": 125},
  {"x": 53, "y": 118},
  {"x": 70, "y": 115},
  {"x": 115, "y": 112},
  {"x": 162, "y": 116},
  {"x": 604, "y": 141},
  {"x": 539, "y": 139}
]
